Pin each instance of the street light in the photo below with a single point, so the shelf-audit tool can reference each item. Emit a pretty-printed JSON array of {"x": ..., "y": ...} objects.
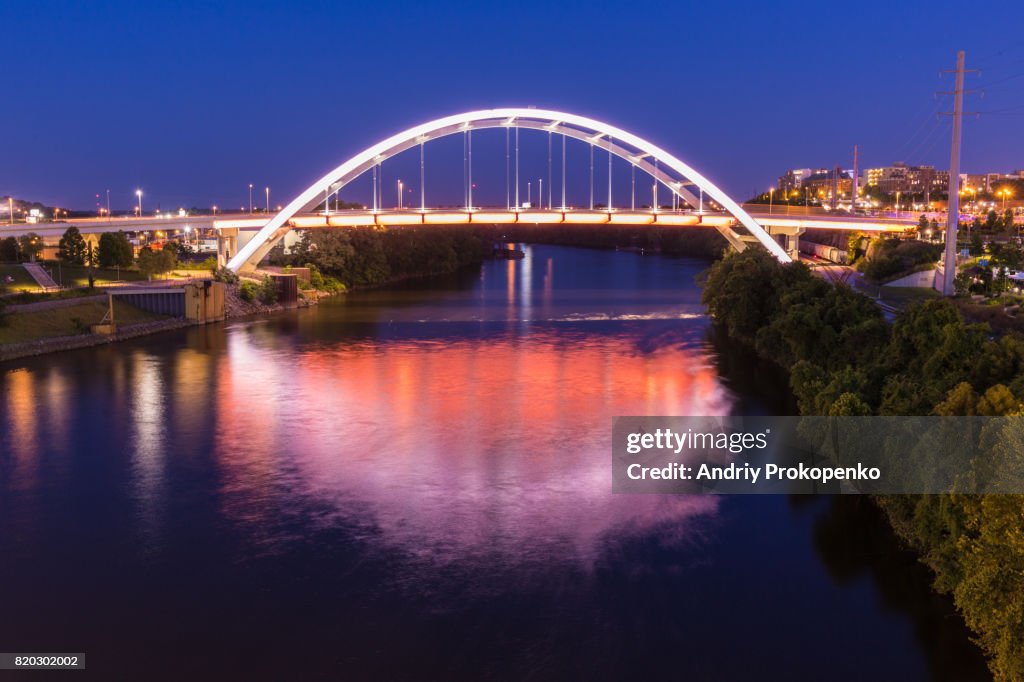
[
  {"x": 1005, "y": 193},
  {"x": 138, "y": 194},
  {"x": 897, "y": 203},
  {"x": 399, "y": 194},
  {"x": 250, "y": 197},
  {"x": 214, "y": 210},
  {"x": 771, "y": 198},
  {"x": 267, "y": 190}
]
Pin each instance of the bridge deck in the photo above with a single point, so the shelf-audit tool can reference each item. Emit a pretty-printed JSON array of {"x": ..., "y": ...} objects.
[
  {"x": 357, "y": 218},
  {"x": 455, "y": 216}
]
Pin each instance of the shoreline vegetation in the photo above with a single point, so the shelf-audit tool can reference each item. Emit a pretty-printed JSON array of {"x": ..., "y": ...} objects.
[{"x": 844, "y": 358}]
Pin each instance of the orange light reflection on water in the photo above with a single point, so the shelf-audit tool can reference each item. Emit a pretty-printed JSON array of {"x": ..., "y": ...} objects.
[{"x": 450, "y": 449}]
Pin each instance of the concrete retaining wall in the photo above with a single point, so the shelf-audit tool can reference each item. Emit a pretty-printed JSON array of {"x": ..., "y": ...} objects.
[{"x": 924, "y": 279}]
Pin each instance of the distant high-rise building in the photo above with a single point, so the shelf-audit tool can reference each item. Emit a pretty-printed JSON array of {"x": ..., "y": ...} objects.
[
  {"x": 900, "y": 177},
  {"x": 823, "y": 184},
  {"x": 794, "y": 180}
]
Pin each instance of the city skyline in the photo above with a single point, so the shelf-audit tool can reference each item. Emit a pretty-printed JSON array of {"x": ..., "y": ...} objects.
[{"x": 189, "y": 135}]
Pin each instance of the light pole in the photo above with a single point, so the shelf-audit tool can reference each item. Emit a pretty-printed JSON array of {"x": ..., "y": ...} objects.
[
  {"x": 897, "y": 203},
  {"x": 250, "y": 197},
  {"x": 399, "y": 194},
  {"x": 540, "y": 192},
  {"x": 771, "y": 199},
  {"x": 108, "y": 204},
  {"x": 215, "y": 210},
  {"x": 138, "y": 194},
  {"x": 1004, "y": 193},
  {"x": 267, "y": 190},
  {"x": 10, "y": 209},
  {"x": 528, "y": 194}
]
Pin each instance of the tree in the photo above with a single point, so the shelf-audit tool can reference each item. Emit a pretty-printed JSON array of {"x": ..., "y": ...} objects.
[
  {"x": 853, "y": 250},
  {"x": 923, "y": 225},
  {"x": 268, "y": 291},
  {"x": 114, "y": 250},
  {"x": 9, "y": 250},
  {"x": 991, "y": 591},
  {"x": 977, "y": 245},
  {"x": 849, "y": 405},
  {"x": 31, "y": 245},
  {"x": 72, "y": 247},
  {"x": 156, "y": 262}
]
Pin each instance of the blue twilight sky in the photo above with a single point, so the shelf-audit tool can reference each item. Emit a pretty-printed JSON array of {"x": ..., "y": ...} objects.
[{"x": 192, "y": 101}]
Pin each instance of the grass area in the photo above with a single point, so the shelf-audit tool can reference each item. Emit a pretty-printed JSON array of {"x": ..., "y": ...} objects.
[
  {"x": 78, "y": 275},
  {"x": 22, "y": 280},
  {"x": 39, "y": 296},
  {"x": 901, "y": 297},
  {"x": 66, "y": 321},
  {"x": 192, "y": 273}
]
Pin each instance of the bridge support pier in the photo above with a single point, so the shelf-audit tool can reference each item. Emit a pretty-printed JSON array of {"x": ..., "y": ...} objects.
[
  {"x": 788, "y": 238},
  {"x": 227, "y": 245}
]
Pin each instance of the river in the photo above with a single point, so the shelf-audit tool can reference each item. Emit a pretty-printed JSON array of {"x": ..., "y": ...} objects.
[{"x": 415, "y": 483}]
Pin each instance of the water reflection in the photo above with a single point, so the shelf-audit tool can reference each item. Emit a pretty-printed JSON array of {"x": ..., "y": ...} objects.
[
  {"x": 149, "y": 451},
  {"x": 457, "y": 450},
  {"x": 22, "y": 434}
]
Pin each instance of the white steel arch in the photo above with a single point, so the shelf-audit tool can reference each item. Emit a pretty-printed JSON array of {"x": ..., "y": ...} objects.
[{"x": 634, "y": 149}]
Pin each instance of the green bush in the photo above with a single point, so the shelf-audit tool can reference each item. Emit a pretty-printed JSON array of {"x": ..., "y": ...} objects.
[
  {"x": 322, "y": 282},
  {"x": 207, "y": 264},
  {"x": 223, "y": 274},
  {"x": 249, "y": 291},
  {"x": 268, "y": 291}
]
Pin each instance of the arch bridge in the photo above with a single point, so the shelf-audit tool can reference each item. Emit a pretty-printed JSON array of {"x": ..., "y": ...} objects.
[{"x": 695, "y": 200}]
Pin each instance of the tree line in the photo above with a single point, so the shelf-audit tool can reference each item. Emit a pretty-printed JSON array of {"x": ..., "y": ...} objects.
[{"x": 844, "y": 358}]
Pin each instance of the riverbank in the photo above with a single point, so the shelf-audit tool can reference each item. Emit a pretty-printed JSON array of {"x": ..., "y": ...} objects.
[
  {"x": 62, "y": 324},
  {"x": 845, "y": 359},
  {"x": 14, "y": 351}
]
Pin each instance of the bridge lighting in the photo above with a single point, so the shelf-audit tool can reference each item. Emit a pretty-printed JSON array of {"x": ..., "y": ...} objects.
[
  {"x": 138, "y": 194},
  {"x": 619, "y": 142}
]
